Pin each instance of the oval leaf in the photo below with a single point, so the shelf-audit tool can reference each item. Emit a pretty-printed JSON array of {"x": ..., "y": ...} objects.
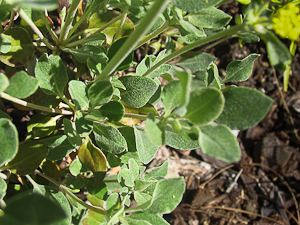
[
  {"x": 206, "y": 104},
  {"x": 52, "y": 74},
  {"x": 113, "y": 110},
  {"x": 244, "y": 107},
  {"x": 79, "y": 93},
  {"x": 92, "y": 157},
  {"x": 29, "y": 157},
  {"x": 9, "y": 141},
  {"x": 21, "y": 47},
  {"x": 109, "y": 138},
  {"x": 4, "y": 82},
  {"x": 17, "y": 88},
  {"x": 194, "y": 5},
  {"x": 100, "y": 93},
  {"x": 138, "y": 90},
  {"x": 218, "y": 141},
  {"x": 240, "y": 70}
]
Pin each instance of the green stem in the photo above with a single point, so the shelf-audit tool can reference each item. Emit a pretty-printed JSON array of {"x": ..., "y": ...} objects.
[
  {"x": 136, "y": 116},
  {"x": 229, "y": 32},
  {"x": 11, "y": 20},
  {"x": 35, "y": 29},
  {"x": 124, "y": 15},
  {"x": 287, "y": 71},
  {"x": 154, "y": 34},
  {"x": 33, "y": 106},
  {"x": 143, "y": 27},
  {"x": 97, "y": 31},
  {"x": 68, "y": 192},
  {"x": 69, "y": 20},
  {"x": 72, "y": 106}
]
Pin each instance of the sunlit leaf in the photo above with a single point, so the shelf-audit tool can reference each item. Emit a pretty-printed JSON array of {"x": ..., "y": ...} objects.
[
  {"x": 79, "y": 94},
  {"x": 4, "y": 82}
]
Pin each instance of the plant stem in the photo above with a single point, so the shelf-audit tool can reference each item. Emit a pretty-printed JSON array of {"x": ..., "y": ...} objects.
[
  {"x": 69, "y": 20},
  {"x": 11, "y": 20},
  {"x": 68, "y": 192},
  {"x": 51, "y": 32},
  {"x": 72, "y": 106},
  {"x": 124, "y": 15},
  {"x": 154, "y": 34},
  {"x": 229, "y": 32},
  {"x": 143, "y": 27},
  {"x": 33, "y": 106},
  {"x": 36, "y": 29},
  {"x": 136, "y": 116}
]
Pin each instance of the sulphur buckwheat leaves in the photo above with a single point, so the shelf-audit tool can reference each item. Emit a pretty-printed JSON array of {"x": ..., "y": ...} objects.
[{"x": 286, "y": 22}]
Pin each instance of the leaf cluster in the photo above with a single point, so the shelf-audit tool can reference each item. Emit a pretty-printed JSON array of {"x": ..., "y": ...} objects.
[{"x": 77, "y": 71}]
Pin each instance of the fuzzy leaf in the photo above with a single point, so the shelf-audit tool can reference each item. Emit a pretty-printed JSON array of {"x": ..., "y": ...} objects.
[
  {"x": 240, "y": 70},
  {"x": 5, "y": 44},
  {"x": 4, "y": 82},
  {"x": 9, "y": 141},
  {"x": 200, "y": 62},
  {"x": 138, "y": 91},
  {"x": 21, "y": 49},
  {"x": 206, "y": 104},
  {"x": 171, "y": 96},
  {"x": 109, "y": 138},
  {"x": 155, "y": 130},
  {"x": 70, "y": 131},
  {"x": 21, "y": 85},
  {"x": 52, "y": 74},
  {"x": 79, "y": 93},
  {"x": 28, "y": 158},
  {"x": 244, "y": 107},
  {"x": 144, "y": 146},
  {"x": 113, "y": 110},
  {"x": 92, "y": 157},
  {"x": 194, "y": 5},
  {"x": 100, "y": 93},
  {"x": 218, "y": 141},
  {"x": 3, "y": 187}
]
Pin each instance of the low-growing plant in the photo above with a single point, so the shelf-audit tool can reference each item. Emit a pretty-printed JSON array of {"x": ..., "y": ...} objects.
[{"x": 74, "y": 67}]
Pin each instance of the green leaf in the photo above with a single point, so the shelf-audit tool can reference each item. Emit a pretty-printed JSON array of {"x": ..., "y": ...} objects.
[
  {"x": 97, "y": 190},
  {"x": 200, "y": 62},
  {"x": 128, "y": 134},
  {"x": 3, "y": 187},
  {"x": 21, "y": 49},
  {"x": 17, "y": 88},
  {"x": 93, "y": 218},
  {"x": 52, "y": 74},
  {"x": 97, "y": 53},
  {"x": 36, "y": 4},
  {"x": 83, "y": 126},
  {"x": 9, "y": 141},
  {"x": 28, "y": 158},
  {"x": 194, "y": 5},
  {"x": 240, "y": 70},
  {"x": 166, "y": 196},
  {"x": 141, "y": 185},
  {"x": 209, "y": 18},
  {"x": 70, "y": 131},
  {"x": 4, "y": 115},
  {"x": 57, "y": 196},
  {"x": 34, "y": 209},
  {"x": 138, "y": 90},
  {"x": 218, "y": 141},
  {"x": 101, "y": 18},
  {"x": 112, "y": 202},
  {"x": 185, "y": 139},
  {"x": 76, "y": 167},
  {"x": 244, "y": 107},
  {"x": 171, "y": 96},
  {"x": 144, "y": 146},
  {"x": 278, "y": 53},
  {"x": 41, "y": 126},
  {"x": 114, "y": 48},
  {"x": 100, "y": 93},
  {"x": 95, "y": 115},
  {"x": 109, "y": 138},
  {"x": 158, "y": 172},
  {"x": 92, "y": 157},
  {"x": 79, "y": 93},
  {"x": 155, "y": 130},
  {"x": 151, "y": 218},
  {"x": 4, "y": 82},
  {"x": 191, "y": 29},
  {"x": 141, "y": 197},
  {"x": 5, "y": 44},
  {"x": 113, "y": 110},
  {"x": 211, "y": 105},
  {"x": 185, "y": 78},
  {"x": 59, "y": 147},
  {"x": 133, "y": 173}
]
